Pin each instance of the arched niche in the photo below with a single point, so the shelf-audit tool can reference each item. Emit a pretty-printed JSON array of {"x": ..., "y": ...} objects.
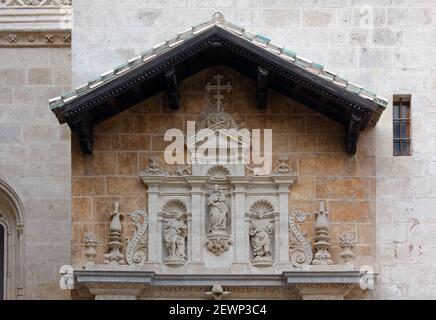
[{"x": 12, "y": 221}]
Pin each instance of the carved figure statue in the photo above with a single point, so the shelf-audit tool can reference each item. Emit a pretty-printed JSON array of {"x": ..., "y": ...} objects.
[
  {"x": 175, "y": 235},
  {"x": 261, "y": 236},
  {"x": 218, "y": 211}
]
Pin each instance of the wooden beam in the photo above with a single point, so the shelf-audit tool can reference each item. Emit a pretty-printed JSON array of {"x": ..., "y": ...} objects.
[
  {"x": 353, "y": 133},
  {"x": 262, "y": 88},
  {"x": 83, "y": 129},
  {"x": 172, "y": 89}
]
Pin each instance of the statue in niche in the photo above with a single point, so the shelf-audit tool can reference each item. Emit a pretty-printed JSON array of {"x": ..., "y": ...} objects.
[
  {"x": 261, "y": 236},
  {"x": 175, "y": 235},
  {"x": 218, "y": 211}
]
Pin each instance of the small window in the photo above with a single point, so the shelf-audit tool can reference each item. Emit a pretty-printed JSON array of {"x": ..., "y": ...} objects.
[{"x": 402, "y": 125}]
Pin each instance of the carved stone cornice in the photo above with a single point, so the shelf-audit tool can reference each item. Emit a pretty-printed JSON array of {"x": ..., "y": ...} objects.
[
  {"x": 334, "y": 283},
  {"x": 28, "y": 38},
  {"x": 35, "y": 23}
]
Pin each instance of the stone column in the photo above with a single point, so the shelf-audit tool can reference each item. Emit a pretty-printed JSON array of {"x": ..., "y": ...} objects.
[{"x": 154, "y": 234}]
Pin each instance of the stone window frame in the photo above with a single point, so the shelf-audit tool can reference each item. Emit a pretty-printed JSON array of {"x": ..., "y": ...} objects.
[
  {"x": 402, "y": 121},
  {"x": 12, "y": 218}
]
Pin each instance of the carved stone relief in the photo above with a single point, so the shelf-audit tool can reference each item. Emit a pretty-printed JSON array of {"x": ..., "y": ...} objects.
[
  {"x": 115, "y": 245},
  {"x": 300, "y": 252},
  {"x": 175, "y": 233},
  {"x": 218, "y": 237},
  {"x": 136, "y": 249},
  {"x": 261, "y": 231},
  {"x": 90, "y": 244},
  {"x": 34, "y": 3},
  {"x": 321, "y": 240}
]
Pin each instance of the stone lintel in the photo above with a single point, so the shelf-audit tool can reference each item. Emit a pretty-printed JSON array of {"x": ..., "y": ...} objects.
[{"x": 315, "y": 285}]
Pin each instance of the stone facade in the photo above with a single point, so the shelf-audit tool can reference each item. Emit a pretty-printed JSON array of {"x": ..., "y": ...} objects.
[
  {"x": 387, "y": 202},
  {"x": 384, "y": 45},
  {"x": 35, "y": 160},
  {"x": 124, "y": 144}
]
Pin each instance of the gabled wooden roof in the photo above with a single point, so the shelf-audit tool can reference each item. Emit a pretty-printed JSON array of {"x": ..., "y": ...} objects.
[{"x": 218, "y": 42}]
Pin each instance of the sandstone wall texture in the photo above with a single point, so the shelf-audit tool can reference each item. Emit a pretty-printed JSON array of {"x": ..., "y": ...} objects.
[
  {"x": 385, "y": 45},
  {"x": 35, "y": 160},
  {"x": 315, "y": 146}
]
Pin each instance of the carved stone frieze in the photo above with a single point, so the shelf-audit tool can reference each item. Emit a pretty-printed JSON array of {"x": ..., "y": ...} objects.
[
  {"x": 19, "y": 38},
  {"x": 136, "y": 249},
  {"x": 35, "y": 3},
  {"x": 35, "y": 23}
]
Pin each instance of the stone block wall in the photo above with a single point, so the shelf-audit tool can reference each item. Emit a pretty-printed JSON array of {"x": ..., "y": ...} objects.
[
  {"x": 35, "y": 160},
  {"x": 315, "y": 146},
  {"x": 384, "y": 45}
]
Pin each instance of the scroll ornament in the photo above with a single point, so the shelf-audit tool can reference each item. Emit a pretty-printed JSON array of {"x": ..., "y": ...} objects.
[
  {"x": 135, "y": 253},
  {"x": 300, "y": 252}
]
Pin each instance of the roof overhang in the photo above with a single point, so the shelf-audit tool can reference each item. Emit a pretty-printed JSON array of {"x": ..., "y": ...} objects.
[{"x": 162, "y": 68}]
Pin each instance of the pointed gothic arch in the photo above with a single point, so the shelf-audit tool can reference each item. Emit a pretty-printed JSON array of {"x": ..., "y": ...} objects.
[{"x": 12, "y": 223}]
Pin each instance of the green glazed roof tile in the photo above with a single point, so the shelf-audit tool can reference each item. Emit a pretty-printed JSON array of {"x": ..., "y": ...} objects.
[{"x": 219, "y": 21}]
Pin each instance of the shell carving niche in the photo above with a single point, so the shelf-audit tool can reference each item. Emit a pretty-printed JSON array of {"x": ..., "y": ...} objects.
[
  {"x": 174, "y": 207},
  {"x": 261, "y": 206},
  {"x": 218, "y": 173}
]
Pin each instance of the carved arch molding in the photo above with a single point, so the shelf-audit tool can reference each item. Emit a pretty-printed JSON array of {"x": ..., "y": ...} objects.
[{"x": 12, "y": 221}]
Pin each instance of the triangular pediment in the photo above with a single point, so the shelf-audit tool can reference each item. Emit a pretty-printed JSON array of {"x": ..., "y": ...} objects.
[{"x": 218, "y": 42}]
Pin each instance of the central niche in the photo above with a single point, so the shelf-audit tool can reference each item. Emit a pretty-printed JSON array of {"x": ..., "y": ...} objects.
[
  {"x": 218, "y": 209},
  {"x": 225, "y": 217}
]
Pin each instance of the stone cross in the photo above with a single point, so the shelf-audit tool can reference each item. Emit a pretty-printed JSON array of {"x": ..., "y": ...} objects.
[{"x": 218, "y": 87}]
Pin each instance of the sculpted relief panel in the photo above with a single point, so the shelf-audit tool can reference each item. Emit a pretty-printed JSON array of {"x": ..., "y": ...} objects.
[
  {"x": 175, "y": 233},
  {"x": 202, "y": 217}
]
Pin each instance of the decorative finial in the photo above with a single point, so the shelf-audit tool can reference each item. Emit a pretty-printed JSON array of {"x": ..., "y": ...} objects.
[
  {"x": 322, "y": 240},
  {"x": 347, "y": 242},
  {"x": 218, "y": 16},
  {"x": 115, "y": 256},
  {"x": 90, "y": 244}
]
